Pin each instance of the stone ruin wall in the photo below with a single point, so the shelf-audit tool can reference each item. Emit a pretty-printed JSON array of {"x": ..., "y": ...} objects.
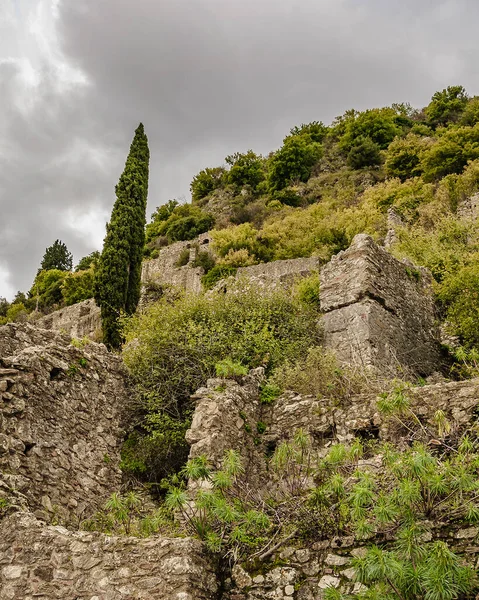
[
  {"x": 78, "y": 321},
  {"x": 60, "y": 422},
  {"x": 55, "y": 563},
  {"x": 61, "y": 426},
  {"x": 220, "y": 422},
  {"x": 379, "y": 312}
]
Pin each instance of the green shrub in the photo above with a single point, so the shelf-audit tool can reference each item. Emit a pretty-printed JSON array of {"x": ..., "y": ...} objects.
[
  {"x": 403, "y": 157},
  {"x": 245, "y": 169},
  {"x": 451, "y": 153},
  {"x": 378, "y": 125},
  {"x": 364, "y": 153},
  {"x": 184, "y": 258},
  {"x": 174, "y": 348},
  {"x": 205, "y": 260},
  {"x": 46, "y": 290},
  {"x": 459, "y": 293},
  {"x": 217, "y": 273},
  {"x": 228, "y": 368},
  {"x": 447, "y": 106},
  {"x": 78, "y": 286},
  {"x": 307, "y": 289},
  {"x": 293, "y": 162},
  {"x": 206, "y": 182},
  {"x": 16, "y": 313}
]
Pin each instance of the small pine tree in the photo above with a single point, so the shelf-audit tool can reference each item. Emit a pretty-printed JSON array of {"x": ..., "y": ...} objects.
[
  {"x": 57, "y": 257},
  {"x": 118, "y": 275}
]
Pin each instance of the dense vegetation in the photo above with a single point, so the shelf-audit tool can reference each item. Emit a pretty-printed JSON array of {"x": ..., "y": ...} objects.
[
  {"x": 325, "y": 184},
  {"x": 178, "y": 343}
]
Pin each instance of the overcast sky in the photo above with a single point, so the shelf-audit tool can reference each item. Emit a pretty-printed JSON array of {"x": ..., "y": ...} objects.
[{"x": 206, "y": 77}]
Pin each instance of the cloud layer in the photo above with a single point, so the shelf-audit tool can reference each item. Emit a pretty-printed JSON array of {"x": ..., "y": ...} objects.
[{"x": 207, "y": 78}]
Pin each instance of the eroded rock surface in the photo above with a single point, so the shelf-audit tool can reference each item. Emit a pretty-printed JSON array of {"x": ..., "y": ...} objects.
[
  {"x": 61, "y": 410},
  {"x": 37, "y": 561},
  {"x": 379, "y": 312}
]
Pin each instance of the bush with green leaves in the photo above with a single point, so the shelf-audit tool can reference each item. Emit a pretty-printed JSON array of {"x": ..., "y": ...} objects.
[
  {"x": 316, "y": 130},
  {"x": 380, "y": 125},
  {"x": 78, "y": 286},
  {"x": 174, "y": 348},
  {"x": 216, "y": 274},
  {"x": 89, "y": 261},
  {"x": 184, "y": 222},
  {"x": 245, "y": 169},
  {"x": 293, "y": 162},
  {"x": 364, "y": 153},
  {"x": 447, "y": 105},
  {"x": 403, "y": 156},
  {"x": 46, "y": 291},
  {"x": 206, "y": 182},
  {"x": 451, "y": 152},
  {"x": 124, "y": 514}
]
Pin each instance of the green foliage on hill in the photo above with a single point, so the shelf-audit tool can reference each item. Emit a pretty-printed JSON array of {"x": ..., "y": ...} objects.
[
  {"x": 174, "y": 347},
  {"x": 117, "y": 277}
]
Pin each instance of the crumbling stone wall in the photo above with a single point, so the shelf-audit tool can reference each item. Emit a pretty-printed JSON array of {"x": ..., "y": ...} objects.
[
  {"x": 378, "y": 311},
  {"x": 52, "y": 562},
  {"x": 60, "y": 422},
  {"x": 306, "y": 572},
  {"x": 280, "y": 271},
  {"x": 79, "y": 320}
]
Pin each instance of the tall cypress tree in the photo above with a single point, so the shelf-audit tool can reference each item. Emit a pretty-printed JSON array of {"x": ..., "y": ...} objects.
[{"x": 118, "y": 275}]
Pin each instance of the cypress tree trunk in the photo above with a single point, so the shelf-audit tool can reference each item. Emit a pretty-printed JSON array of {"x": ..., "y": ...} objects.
[{"x": 118, "y": 275}]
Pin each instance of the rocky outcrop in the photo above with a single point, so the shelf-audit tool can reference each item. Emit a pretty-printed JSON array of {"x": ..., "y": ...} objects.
[
  {"x": 51, "y": 562},
  {"x": 78, "y": 321},
  {"x": 378, "y": 311},
  {"x": 469, "y": 208},
  {"x": 61, "y": 409}
]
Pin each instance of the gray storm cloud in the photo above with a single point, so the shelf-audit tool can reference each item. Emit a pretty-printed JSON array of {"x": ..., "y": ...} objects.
[{"x": 207, "y": 78}]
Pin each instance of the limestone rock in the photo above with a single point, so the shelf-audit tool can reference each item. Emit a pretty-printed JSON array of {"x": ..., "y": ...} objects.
[{"x": 379, "y": 311}]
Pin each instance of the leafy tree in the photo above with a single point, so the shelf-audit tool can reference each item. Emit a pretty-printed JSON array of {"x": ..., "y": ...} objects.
[
  {"x": 403, "y": 157},
  {"x": 206, "y": 182},
  {"x": 316, "y": 130},
  {"x": 245, "y": 169},
  {"x": 57, "y": 257},
  {"x": 470, "y": 115},
  {"x": 378, "y": 124},
  {"x": 87, "y": 262},
  {"x": 117, "y": 278},
  {"x": 158, "y": 218},
  {"x": 293, "y": 162},
  {"x": 446, "y": 106},
  {"x": 364, "y": 153},
  {"x": 451, "y": 153}
]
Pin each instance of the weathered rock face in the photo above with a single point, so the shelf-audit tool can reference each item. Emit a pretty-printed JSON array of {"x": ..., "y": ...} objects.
[
  {"x": 379, "y": 312},
  {"x": 60, "y": 422},
  {"x": 79, "y": 320},
  {"x": 52, "y": 562},
  {"x": 164, "y": 270},
  {"x": 469, "y": 208},
  {"x": 282, "y": 272}
]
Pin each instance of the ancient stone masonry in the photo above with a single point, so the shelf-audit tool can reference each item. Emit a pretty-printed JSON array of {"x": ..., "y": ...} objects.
[
  {"x": 54, "y": 563},
  {"x": 379, "y": 312},
  {"x": 79, "y": 320},
  {"x": 60, "y": 422},
  {"x": 222, "y": 411}
]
